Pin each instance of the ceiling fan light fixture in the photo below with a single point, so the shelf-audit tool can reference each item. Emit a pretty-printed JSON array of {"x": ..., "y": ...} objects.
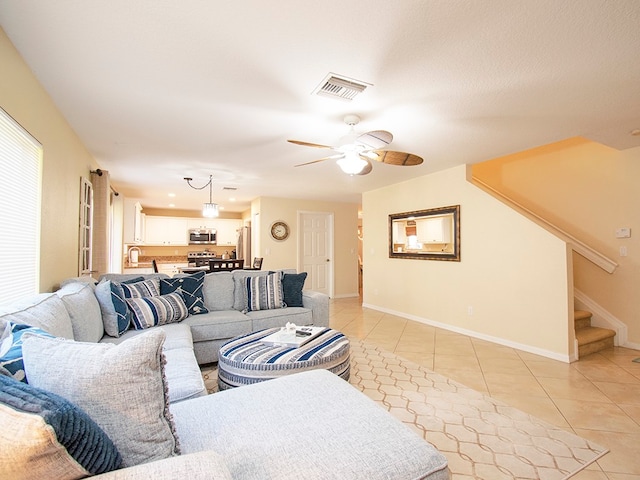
[{"x": 351, "y": 164}]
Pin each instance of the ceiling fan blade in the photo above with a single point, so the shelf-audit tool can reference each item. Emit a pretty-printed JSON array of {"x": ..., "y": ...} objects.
[
  {"x": 307, "y": 144},
  {"x": 367, "y": 169},
  {"x": 403, "y": 159},
  {"x": 375, "y": 139},
  {"x": 330, "y": 157}
]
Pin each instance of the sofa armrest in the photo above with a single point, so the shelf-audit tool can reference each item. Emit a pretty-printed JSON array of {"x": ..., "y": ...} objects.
[
  {"x": 204, "y": 465},
  {"x": 318, "y": 303}
]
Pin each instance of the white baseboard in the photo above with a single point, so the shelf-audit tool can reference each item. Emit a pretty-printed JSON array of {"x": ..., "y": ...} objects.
[
  {"x": 470, "y": 333},
  {"x": 347, "y": 295}
]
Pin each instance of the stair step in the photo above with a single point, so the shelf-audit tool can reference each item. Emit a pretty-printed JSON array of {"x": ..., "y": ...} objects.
[
  {"x": 593, "y": 339},
  {"x": 581, "y": 319}
]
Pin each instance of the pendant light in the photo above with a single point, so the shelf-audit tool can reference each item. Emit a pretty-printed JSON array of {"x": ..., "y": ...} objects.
[{"x": 210, "y": 209}]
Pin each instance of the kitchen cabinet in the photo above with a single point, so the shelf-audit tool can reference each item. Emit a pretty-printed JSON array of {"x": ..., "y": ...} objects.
[
  {"x": 139, "y": 270},
  {"x": 434, "y": 229},
  {"x": 171, "y": 269},
  {"x": 226, "y": 228},
  {"x": 160, "y": 230},
  {"x": 201, "y": 223},
  {"x": 166, "y": 231},
  {"x": 399, "y": 233},
  {"x": 227, "y": 231},
  {"x": 133, "y": 222}
]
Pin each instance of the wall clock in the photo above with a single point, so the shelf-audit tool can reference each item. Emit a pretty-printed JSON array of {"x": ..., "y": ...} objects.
[{"x": 279, "y": 230}]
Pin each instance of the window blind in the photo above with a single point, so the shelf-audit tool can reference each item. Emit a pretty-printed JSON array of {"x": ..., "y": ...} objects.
[{"x": 20, "y": 193}]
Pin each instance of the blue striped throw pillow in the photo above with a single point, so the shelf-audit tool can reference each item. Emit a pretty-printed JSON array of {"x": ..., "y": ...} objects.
[
  {"x": 145, "y": 288},
  {"x": 264, "y": 292},
  {"x": 151, "y": 311}
]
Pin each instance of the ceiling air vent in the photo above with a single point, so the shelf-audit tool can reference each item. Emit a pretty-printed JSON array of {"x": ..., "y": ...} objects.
[
  {"x": 229, "y": 188},
  {"x": 342, "y": 88}
]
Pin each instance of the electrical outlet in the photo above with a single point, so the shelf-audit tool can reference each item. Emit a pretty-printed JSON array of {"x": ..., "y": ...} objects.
[
  {"x": 470, "y": 310},
  {"x": 623, "y": 251}
]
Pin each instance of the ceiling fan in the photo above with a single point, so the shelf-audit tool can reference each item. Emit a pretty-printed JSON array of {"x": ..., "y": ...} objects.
[{"x": 356, "y": 151}]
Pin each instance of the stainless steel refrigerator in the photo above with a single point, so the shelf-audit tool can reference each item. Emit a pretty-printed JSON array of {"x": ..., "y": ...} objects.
[{"x": 243, "y": 245}]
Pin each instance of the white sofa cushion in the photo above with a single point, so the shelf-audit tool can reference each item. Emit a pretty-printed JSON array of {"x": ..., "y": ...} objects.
[
  {"x": 312, "y": 425},
  {"x": 45, "y": 311},
  {"x": 184, "y": 378},
  {"x": 196, "y": 466}
]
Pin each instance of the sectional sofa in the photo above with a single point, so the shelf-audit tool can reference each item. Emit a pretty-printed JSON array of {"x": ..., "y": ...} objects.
[{"x": 133, "y": 405}]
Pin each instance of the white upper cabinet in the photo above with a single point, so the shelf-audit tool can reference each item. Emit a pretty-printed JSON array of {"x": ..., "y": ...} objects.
[
  {"x": 434, "y": 229},
  {"x": 134, "y": 220},
  {"x": 166, "y": 231},
  {"x": 174, "y": 230},
  {"x": 227, "y": 230},
  {"x": 201, "y": 223}
]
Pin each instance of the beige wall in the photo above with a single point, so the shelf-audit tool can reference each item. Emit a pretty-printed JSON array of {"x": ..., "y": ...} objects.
[
  {"x": 285, "y": 254},
  {"x": 514, "y": 275},
  {"x": 589, "y": 190},
  {"x": 65, "y": 161}
]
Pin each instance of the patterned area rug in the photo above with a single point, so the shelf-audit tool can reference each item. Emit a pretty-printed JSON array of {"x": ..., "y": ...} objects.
[{"x": 481, "y": 437}]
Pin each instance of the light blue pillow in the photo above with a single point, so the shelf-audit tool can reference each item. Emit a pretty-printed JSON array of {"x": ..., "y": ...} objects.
[
  {"x": 11, "y": 348},
  {"x": 115, "y": 315},
  {"x": 52, "y": 437}
]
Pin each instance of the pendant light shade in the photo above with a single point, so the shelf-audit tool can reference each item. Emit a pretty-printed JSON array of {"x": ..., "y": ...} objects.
[{"x": 210, "y": 209}]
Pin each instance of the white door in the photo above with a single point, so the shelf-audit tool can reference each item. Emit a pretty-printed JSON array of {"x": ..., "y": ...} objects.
[{"x": 316, "y": 251}]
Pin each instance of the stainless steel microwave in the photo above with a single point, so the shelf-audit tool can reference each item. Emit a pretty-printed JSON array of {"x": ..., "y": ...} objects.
[{"x": 202, "y": 236}]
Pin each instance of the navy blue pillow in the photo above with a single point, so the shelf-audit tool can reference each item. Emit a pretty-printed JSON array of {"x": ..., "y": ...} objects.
[
  {"x": 83, "y": 439},
  {"x": 292, "y": 284},
  {"x": 191, "y": 287}
]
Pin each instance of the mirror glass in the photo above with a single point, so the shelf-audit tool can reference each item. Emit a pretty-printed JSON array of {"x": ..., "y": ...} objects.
[{"x": 432, "y": 234}]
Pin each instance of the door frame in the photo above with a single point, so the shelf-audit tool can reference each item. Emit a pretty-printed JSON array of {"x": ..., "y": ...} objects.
[{"x": 330, "y": 246}]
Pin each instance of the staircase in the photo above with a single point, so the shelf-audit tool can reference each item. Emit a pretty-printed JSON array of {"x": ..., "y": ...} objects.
[{"x": 590, "y": 339}]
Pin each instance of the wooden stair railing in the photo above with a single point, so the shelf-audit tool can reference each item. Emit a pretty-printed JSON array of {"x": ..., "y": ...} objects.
[{"x": 591, "y": 254}]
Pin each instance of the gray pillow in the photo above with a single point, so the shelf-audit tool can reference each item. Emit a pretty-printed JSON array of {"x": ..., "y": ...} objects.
[
  {"x": 45, "y": 311},
  {"x": 240, "y": 288},
  {"x": 84, "y": 310},
  {"x": 121, "y": 387}
]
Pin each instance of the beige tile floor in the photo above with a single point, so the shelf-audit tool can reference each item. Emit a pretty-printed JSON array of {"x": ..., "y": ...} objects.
[{"x": 597, "y": 398}]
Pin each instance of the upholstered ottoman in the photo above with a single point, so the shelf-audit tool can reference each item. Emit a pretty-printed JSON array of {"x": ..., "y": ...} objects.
[{"x": 246, "y": 359}]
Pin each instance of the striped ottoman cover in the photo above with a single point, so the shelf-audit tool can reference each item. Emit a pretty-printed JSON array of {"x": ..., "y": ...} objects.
[{"x": 245, "y": 360}]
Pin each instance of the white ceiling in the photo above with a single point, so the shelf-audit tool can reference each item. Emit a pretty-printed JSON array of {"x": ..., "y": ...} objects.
[{"x": 159, "y": 89}]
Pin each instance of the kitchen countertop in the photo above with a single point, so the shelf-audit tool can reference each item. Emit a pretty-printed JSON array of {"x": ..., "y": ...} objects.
[{"x": 145, "y": 262}]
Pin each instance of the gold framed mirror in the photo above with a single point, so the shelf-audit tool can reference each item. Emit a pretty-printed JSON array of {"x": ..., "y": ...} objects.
[{"x": 432, "y": 234}]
